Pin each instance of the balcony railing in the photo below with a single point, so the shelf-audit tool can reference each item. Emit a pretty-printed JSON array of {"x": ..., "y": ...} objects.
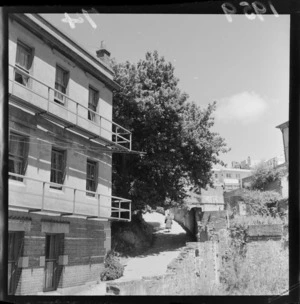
[
  {"x": 34, "y": 195},
  {"x": 55, "y": 105}
]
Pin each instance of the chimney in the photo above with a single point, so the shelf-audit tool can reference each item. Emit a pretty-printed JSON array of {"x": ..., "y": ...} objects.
[{"x": 103, "y": 54}]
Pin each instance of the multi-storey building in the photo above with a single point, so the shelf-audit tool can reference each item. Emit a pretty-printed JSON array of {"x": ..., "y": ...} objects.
[
  {"x": 61, "y": 140},
  {"x": 224, "y": 180},
  {"x": 229, "y": 178}
]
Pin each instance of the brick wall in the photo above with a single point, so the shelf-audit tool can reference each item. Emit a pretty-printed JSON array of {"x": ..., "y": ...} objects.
[
  {"x": 85, "y": 244},
  {"x": 31, "y": 281},
  {"x": 80, "y": 275}
]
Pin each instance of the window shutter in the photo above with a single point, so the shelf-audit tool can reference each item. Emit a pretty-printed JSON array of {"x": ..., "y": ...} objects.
[
  {"x": 65, "y": 79},
  {"x": 64, "y": 166},
  {"x": 18, "y": 55},
  {"x": 96, "y": 176}
]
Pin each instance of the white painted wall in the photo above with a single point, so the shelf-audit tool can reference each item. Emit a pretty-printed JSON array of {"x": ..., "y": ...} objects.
[
  {"x": 43, "y": 68},
  {"x": 28, "y": 193}
]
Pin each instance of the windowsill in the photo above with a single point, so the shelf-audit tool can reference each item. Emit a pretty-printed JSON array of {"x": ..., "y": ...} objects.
[
  {"x": 16, "y": 182},
  {"x": 91, "y": 197},
  {"x": 61, "y": 103},
  {"x": 55, "y": 190}
]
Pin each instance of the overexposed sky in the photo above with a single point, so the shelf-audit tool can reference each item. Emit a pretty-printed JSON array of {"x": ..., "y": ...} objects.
[{"x": 243, "y": 65}]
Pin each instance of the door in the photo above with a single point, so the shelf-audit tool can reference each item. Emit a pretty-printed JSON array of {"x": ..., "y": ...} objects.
[
  {"x": 15, "y": 247},
  {"x": 51, "y": 258}
]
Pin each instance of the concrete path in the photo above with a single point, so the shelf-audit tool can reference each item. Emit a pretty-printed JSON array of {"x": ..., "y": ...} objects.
[{"x": 154, "y": 261}]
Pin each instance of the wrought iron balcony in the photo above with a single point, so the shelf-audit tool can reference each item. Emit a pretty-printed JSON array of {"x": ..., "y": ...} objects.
[
  {"x": 34, "y": 195},
  {"x": 27, "y": 91}
]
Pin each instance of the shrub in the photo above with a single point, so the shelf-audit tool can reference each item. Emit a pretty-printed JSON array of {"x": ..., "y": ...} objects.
[
  {"x": 113, "y": 268},
  {"x": 238, "y": 235},
  {"x": 257, "y": 268},
  {"x": 261, "y": 203},
  {"x": 133, "y": 237},
  {"x": 263, "y": 175},
  {"x": 263, "y": 271}
]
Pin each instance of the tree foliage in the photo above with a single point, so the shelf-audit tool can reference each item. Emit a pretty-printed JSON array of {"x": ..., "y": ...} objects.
[
  {"x": 262, "y": 176},
  {"x": 262, "y": 203},
  {"x": 175, "y": 134}
]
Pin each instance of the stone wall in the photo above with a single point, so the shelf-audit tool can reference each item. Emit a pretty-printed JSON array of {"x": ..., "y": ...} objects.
[
  {"x": 185, "y": 218},
  {"x": 199, "y": 268},
  {"x": 212, "y": 199},
  {"x": 209, "y": 223}
]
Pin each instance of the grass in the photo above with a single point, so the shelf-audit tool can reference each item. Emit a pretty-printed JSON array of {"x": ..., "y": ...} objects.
[{"x": 263, "y": 271}]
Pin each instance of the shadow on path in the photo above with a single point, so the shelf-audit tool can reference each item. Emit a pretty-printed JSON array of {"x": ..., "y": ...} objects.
[{"x": 164, "y": 241}]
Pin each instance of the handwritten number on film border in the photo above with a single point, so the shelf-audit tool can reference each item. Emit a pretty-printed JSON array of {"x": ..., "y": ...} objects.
[
  {"x": 73, "y": 21},
  {"x": 256, "y": 6}
]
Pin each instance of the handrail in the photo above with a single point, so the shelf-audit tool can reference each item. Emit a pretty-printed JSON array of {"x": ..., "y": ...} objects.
[
  {"x": 114, "y": 199},
  {"x": 68, "y": 187},
  {"x": 113, "y": 124}
]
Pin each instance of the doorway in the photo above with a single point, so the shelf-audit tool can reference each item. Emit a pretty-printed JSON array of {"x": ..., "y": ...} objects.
[
  {"x": 51, "y": 259},
  {"x": 15, "y": 248}
]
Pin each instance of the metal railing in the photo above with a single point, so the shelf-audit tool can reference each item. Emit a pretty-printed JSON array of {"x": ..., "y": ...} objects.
[
  {"x": 49, "y": 102},
  {"x": 71, "y": 201}
]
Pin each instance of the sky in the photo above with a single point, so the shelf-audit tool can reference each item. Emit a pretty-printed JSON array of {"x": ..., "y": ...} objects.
[{"x": 243, "y": 65}]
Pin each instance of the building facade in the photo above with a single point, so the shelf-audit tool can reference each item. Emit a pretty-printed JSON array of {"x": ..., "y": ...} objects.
[
  {"x": 229, "y": 178},
  {"x": 61, "y": 140},
  {"x": 285, "y": 137},
  {"x": 274, "y": 162}
]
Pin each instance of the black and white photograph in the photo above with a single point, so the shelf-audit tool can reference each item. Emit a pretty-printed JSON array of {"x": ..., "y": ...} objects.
[{"x": 148, "y": 154}]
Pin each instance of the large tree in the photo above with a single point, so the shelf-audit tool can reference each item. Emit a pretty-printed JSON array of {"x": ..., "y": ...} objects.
[{"x": 175, "y": 135}]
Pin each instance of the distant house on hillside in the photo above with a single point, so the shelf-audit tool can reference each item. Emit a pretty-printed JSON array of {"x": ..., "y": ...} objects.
[
  {"x": 274, "y": 161},
  {"x": 224, "y": 179},
  {"x": 245, "y": 164},
  {"x": 281, "y": 185},
  {"x": 229, "y": 178}
]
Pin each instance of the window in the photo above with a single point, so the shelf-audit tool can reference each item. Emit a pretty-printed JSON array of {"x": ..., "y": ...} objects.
[
  {"x": 228, "y": 175},
  {"x": 18, "y": 155},
  {"x": 61, "y": 83},
  {"x": 91, "y": 177},
  {"x": 216, "y": 175},
  {"x": 93, "y": 102},
  {"x": 58, "y": 167},
  {"x": 23, "y": 62}
]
